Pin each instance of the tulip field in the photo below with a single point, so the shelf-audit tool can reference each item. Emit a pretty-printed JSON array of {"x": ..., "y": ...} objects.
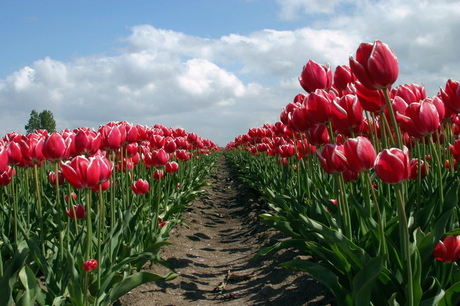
[
  {"x": 363, "y": 177},
  {"x": 359, "y": 173},
  {"x": 82, "y": 210}
]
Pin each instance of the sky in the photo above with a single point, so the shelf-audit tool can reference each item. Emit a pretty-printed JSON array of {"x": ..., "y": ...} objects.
[{"x": 213, "y": 67}]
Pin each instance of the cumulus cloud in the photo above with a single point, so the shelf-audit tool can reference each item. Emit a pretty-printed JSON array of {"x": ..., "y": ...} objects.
[
  {"x": 221, "y": 87},
  {"x": 423, "y": 34}
]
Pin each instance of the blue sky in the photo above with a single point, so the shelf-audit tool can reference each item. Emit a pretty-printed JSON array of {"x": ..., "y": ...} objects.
[{"x": 216, "y": 68}]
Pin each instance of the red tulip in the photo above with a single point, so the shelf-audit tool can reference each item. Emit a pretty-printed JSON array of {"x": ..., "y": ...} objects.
[
  {"x": 7, "y": 175},
  {"x": 409, "y": 92},
  {"x": 343, "y": 76},
  {"x": 376, "y": 65},
  {"x": 299, "y": 120},
  {"x": 415, "y": 168},
  {"x": 183, "y": 155},
  {"x": 3, "y": 158},
  {"x": 318, "y": 135},
  {"x": 158, "y": 174},
  {"x": 451, "y": 96},
  {"x": 157, "y": 158},
  {"x": 347, "y": 114},
  {"x": 14, "y": 153},
  {"x": 315, "y": 76},
  {"x": 419, "y": 119},
  {"x": 393, "y": 165},
  {"x": 82, "y": 172},
  {"x": 90, "y": 265},
  {"x": 329, "y": 159},
  {"x": 455, "y": 150},
  {"x": 52, "y": 178},
  {"x": 171, "y": 167},
  {"x": 140, "y": 187},
  {"x": 101, "y": 187},
  {"x": 55, "y": 148},
  {"x": 87, "y": 142},
  {"x": 157, "y": 141},
  {"x": 78, "y": 211},
  {"x": 31, "y": 149},
  {"x": 371, "y": 100},
  {"x": 162, "y": 223},
  {"x": 319, "y": 106},
  {"x": 112, "y": 136},
  {"x": 73, "y": 195},
  {"x": 286, "y": 150},
  {"x": 170, "y": 146},
  {"x": 358, "y": 154},
  {"x": 448, "y": 250}
]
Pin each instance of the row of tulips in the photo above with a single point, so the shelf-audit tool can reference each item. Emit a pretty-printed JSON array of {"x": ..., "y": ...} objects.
[
  {"x": 363, "y": 177},
  {"x": 82, "y": 210}
]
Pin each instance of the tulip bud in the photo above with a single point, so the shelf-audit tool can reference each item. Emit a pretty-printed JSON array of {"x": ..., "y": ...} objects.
[
  {"x": 158, "y": 174},
  {"x": 90, "y": 265},
  {"x": 77, "y": 211}
]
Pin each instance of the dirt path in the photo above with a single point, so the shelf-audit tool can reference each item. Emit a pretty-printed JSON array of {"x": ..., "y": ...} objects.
[{"x": 211, "y": 255}]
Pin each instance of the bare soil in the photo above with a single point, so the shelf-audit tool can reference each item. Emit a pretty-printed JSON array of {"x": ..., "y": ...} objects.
[{"x": 211, "y": 252}]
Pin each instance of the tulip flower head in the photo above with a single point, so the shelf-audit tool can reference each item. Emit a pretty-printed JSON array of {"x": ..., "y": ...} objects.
[
  {"x": 376, "y": 65},
  {"x": 77, "y": 212},
  {"x": 90, "y": 265},
  {"x": 140, "y": 187},
  {"x": 162, "y": 223},
  {"x": 448, "y": 250},
  {"x": 393, "y": 165},
  {"x": 158, "y": 174},
  {"x": 315, "y": 76},
  {"x": 82, "y": 172},
  {"x": 358, "y": 154}
]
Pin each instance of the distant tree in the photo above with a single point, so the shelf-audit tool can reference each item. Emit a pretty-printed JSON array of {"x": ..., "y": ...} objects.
[
  {"x": 42, "y": 121},
  {"x": 47, "y": 121},
  {"x": 34, "y": 122}
]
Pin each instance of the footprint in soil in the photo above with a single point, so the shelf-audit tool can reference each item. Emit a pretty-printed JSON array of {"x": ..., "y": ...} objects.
[{"x": 211, "y": 255}]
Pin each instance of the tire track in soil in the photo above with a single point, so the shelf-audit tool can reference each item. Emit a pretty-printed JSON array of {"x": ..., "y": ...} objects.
[{"x": 222, "y": 234}]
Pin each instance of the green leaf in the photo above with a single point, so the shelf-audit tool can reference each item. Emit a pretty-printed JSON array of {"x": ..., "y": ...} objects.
[
  {"x": 10, "y": 273},
  {"x": 133, "y": 281},
  {"x": 286, "y": 244},
  {"x": 364, "y": 281},
  {"x": 32, "y": 290},
  {"x": 452, "y": 296},
  {"x": 434, "y": 293},
  {"x": 323, "y": 275}
]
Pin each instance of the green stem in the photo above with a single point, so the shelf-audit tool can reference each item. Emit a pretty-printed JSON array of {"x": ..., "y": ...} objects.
[
  {"x": 393, "y": 119},
  {"x": 405, "y": 244},
  {"x": 99, "y": 235},
  {"x": 39, "y": 208},
  {"x": 89, "y": 226}
]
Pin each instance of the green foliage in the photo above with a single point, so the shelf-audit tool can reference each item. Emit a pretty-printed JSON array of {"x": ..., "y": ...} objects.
[
  {"x": 366, "y": 265},
  {"x": 40, "y": 121},
  {"x": 123, "y": 234}
]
